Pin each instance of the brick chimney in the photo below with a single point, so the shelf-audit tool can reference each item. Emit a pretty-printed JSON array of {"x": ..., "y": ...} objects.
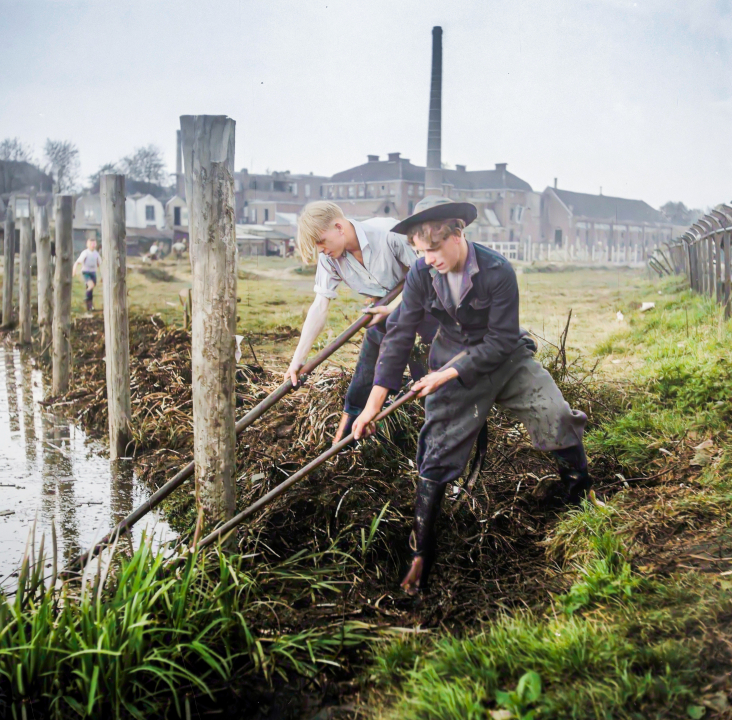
[
  {"x": 433, "y": 172},
  {"x": 394, "y": 157},
  {"x": 460, "y": 168},
  {"x": 373, "y": 158}
]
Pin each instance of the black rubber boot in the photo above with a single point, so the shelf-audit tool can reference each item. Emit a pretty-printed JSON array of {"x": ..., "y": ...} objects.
[
  {"x": 576, "y": 480},
  {"x": 422, "y": 540}
]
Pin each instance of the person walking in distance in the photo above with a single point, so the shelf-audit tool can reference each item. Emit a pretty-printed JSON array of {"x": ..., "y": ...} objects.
[
  {"x": 90, "y": 261},
  {"x": 371, "y": 261},
  {"x": 472, "y": 292}
]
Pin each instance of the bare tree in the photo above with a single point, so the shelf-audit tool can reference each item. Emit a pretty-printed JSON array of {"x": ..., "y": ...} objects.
[
  {"x": 62, "y": 157},
  {"x": 15, "y": 150},
  {"x": 106, "y": 169},
  {"x": 145, "y": 164}
]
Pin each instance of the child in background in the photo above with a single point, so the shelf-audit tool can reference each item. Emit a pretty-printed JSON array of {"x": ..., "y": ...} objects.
[{"x": 90, "y": 261}]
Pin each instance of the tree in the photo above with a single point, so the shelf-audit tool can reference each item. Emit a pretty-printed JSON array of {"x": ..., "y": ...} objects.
[
  {"x": 62, "y": 157},
  {"x": 15, "y": 150},
  {"x": 106, "y": 169},
  {"x": 145, "y": 164}
]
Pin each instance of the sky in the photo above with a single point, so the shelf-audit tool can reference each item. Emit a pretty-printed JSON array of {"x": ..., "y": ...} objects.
[{"x": 631, "y": 97}]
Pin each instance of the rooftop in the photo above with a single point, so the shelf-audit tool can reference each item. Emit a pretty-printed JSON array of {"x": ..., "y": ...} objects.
[{"x": 606, "y": 207}]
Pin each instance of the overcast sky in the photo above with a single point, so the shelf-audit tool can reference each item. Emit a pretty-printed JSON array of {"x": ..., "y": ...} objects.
[{"x": 635, "y": 97}]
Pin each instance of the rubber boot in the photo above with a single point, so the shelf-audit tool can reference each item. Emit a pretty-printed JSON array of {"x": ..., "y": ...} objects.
[
  {"x": 89, "y": 305},
  {"x": 576, "y": 480},
  {"x": 422, "y": 540}
]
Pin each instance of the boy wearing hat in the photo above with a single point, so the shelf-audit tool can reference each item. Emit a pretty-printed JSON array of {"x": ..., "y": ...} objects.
[
  {"x": 371, "y": 261},
  {"x": 472, "y": 292}
]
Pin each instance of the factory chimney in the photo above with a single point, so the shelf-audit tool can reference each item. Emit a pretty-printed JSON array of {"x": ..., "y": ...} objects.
[{"x": 433, "y": 173}]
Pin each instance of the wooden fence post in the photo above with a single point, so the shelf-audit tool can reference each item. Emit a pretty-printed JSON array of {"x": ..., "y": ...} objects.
[
  {"x": 62, "y": 294},
  {"x": 116, "y": 321},
  {"x": 208, "y": 151},
  {"x": 24, "y": 281},
  {"x": 9, "y": 269},
  {"x": 44, "y": 273}
]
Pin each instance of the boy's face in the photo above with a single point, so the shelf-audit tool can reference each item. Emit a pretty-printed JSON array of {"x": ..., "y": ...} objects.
[
  {"x": 444, "y": 257},
  {"x": 333, "y": 241},
  {"x": 91, "y": 244}
]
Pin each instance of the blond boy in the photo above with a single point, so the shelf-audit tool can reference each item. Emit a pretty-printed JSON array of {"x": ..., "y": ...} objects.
[{"x": 371, "y": 261}]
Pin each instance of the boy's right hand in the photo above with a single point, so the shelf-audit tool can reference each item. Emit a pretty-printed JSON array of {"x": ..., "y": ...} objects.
[{"x": 291, "y": 373}]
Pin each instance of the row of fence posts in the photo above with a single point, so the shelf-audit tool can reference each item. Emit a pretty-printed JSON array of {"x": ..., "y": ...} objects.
[
  {"x": 208, "y": 148},
  {"x": 702, "y": 253}
]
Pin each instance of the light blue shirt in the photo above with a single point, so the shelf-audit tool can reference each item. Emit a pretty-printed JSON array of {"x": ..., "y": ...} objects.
[{"x": 387, "y": 257}]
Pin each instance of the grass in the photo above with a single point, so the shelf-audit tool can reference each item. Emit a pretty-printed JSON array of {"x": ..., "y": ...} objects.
[
  {"x": 632, "y": 635},
  {"x": 141, "y": 641}
]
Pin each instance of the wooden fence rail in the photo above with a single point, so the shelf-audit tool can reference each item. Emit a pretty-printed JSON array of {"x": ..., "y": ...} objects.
[{"x": 702, "y": 253}]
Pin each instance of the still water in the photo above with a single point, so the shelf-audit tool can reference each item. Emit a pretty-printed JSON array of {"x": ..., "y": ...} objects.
[{"x": 50, "y": 470}]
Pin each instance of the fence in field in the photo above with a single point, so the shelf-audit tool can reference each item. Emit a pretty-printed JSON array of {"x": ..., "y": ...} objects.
[{"x": 702, "y": 253}]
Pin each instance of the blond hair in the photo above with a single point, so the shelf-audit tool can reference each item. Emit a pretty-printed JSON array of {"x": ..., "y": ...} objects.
[
  {"x": 435, "y": 232},
  {"x": 315, "y": 219}
]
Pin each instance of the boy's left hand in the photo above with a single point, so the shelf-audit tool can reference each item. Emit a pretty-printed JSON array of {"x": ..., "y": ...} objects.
[
  {"x": 380, "y": 313},
  {"x": 430, "y": 382}
]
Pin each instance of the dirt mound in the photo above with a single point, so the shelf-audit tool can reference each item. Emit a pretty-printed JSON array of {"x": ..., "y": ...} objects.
[{"x": 491, "y": 552}]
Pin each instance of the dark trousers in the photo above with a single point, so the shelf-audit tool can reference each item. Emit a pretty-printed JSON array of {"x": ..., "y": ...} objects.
[
  {"x": 93, "y": 277},
  {"x": 455, "y": 414},
  {"x": 363, "y": 376}
]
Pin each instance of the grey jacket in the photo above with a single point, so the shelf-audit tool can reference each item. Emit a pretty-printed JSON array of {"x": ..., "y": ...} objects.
[{"x": 485, "y": 322}]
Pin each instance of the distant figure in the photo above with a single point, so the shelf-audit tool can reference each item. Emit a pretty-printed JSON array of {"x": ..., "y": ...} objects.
[
  {"x": 90, "y": 261},
  {"x": 154, "y": 250},
  {"x": 178, "y": 249}
]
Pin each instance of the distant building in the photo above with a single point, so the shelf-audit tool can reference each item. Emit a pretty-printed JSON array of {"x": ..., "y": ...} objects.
[
  {"x": 592, "y": 227},
  {"x": 508, "y": 209},
  {"x": 176, "y": 217},
  {"x": 262, "y": 240},
  {"x": 260, "y": 197}
]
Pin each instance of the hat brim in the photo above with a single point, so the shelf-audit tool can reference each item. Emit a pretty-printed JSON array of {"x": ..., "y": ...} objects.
[{"x": 445, "y": 211}]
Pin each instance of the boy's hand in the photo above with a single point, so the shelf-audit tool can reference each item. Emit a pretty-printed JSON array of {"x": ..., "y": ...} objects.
[
  {"x": 430, "y": 382},
  {"x": 291, "y": 373},
  {"x": 364, "y": 425},
  {"x": 380, "y": 313}
]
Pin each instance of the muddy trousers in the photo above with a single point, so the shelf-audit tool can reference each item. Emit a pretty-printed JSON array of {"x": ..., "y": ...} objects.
[{"x": 454, "y": 414}]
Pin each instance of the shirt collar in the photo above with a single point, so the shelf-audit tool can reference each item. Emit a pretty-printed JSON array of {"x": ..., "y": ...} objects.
[
  {"x": 363, "y": 238},
  {"x": 471, "y": 263}
]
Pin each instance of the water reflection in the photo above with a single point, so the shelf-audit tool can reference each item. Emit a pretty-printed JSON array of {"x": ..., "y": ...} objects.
[{"x": 50, "y": 471}]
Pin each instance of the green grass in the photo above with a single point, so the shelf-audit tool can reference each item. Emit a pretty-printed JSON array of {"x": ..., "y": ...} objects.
[
  {"x": 143, "y": 641},
  {"x": 619, "y": 641}
]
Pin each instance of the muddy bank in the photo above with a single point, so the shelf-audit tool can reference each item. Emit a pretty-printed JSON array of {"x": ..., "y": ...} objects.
[{"x": 491, "y": 553}]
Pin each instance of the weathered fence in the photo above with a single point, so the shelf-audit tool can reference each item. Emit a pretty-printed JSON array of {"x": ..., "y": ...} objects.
[{"x": 702, "y": 253}]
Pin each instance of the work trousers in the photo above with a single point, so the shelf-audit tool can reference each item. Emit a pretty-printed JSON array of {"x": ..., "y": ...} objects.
[
  {"x": 455, "y": 414},
  {"x": 363, "y": 376}
]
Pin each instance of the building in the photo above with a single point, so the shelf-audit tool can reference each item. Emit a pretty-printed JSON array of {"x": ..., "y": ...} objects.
[
  {"x": 260, "y": 197},
  {"x": 580, "y": 226},
  {"x": 508, "y": 209},
  {"x": 144, "y": 210},
  {"x": 176, "y": 217},
  {"x": 262, "y": 240}
]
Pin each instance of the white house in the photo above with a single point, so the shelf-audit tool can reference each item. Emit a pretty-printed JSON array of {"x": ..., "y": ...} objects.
[
  {"x": 144, "y": 211},
  {"x": 176, "y": 213}
]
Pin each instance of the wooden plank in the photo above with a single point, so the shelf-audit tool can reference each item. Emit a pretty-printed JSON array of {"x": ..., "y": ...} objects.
[
  {"x": 44, "y": 273},
  {"x": 8, "y": 269},
  {"x": 24, "y": 282},
  {"x": 208, "y": 154},
  {"x": 116, "y": 320},
  {"x": 62, "y": 295}
]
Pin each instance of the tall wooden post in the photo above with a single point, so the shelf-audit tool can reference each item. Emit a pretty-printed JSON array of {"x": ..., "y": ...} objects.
[
  {"x": 116, "y": 322},
  {"x": 9, "y": 269},
  {"x": 208, "y": 152},
  {"x": 44, "y": 276},
  {"x": 62, "y": 294},
  {"x": 24, "y": 281}
]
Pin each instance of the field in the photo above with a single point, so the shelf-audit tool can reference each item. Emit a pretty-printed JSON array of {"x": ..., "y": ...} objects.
[{"x": 619, "y": 609}]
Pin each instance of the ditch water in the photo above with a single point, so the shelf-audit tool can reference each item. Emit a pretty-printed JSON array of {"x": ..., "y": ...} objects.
[{"x": 50, "y": 471}]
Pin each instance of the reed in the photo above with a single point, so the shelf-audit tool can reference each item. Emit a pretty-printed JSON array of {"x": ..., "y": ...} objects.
[{"x": 137, "y": 640}]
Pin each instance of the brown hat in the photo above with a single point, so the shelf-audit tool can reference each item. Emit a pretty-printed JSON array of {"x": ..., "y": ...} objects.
[{"x": 437, "y": 207}]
